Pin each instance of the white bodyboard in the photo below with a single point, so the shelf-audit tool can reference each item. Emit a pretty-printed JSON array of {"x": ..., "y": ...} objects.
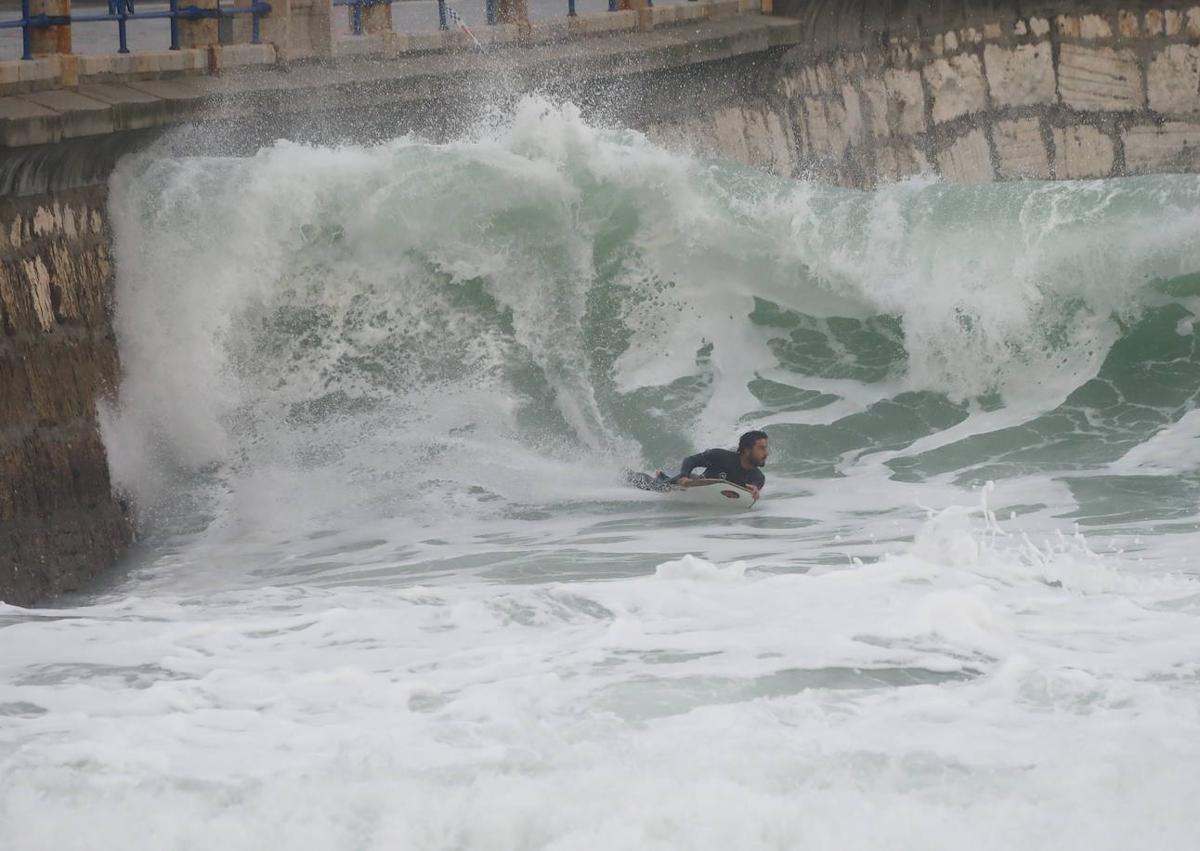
[{"x": 713, "y": 493}]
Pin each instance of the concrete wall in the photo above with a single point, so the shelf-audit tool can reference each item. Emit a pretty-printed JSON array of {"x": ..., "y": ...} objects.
[
  {"x": 971, "y": 91},
  {"x": 59, "y": 523}
]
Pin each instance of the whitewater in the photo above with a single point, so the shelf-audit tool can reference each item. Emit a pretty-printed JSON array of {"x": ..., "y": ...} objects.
[{"x": 389, "y": 592}]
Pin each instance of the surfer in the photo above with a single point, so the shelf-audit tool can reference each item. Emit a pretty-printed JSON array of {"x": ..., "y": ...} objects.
[{"x": 740, "y": 467}]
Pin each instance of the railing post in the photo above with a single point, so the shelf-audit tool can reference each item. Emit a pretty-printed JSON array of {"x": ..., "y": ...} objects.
[
  {"x": 513, "y": 12},
  {"x": 56, "y": 38},
  {"x": 310, "y": 29},
  {"x": 274, "y": 28},
  {"x": 643, "y": 9},
  {"x": 199, "y": 32},
  {"x": 377, "y": 17},
  {"x": 248, "y": 27}
]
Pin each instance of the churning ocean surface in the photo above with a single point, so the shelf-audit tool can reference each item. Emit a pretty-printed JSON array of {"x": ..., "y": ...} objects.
[{"x": 390, "y": 593}]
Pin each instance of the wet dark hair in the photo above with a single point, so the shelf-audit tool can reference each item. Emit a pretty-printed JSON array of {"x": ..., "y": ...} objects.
[{"x": 747, "y": 440}]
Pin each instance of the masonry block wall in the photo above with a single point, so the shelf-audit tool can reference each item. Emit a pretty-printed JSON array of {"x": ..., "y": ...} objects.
[
  {"x": 971, "y": 91},
  {"x": 59, "y": 522}
]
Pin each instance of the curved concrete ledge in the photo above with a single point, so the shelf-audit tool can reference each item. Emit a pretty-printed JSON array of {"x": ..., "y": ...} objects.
[{"x": 40, "y": 127}]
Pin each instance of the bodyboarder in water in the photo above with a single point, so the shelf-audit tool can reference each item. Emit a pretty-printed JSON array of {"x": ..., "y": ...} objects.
[{"x": 741, "y": 467}]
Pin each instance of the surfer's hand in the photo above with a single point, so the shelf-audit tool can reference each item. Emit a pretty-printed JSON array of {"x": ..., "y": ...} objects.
[
  {"x": 752, "y": 490},
  {"x": 682, "y": 481}
]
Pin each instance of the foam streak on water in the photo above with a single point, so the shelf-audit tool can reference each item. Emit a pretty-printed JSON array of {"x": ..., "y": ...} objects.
[{"x": 391, "y": 594}]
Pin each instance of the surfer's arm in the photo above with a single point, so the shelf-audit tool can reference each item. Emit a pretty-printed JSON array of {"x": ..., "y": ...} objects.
[{"x": 700, "y": 459}]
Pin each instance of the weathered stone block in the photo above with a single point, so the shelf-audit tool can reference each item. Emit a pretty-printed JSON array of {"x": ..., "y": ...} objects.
[
  {"x": 824, "y": 80},
  {"x": 848, "y": 65},
  {"x": 10, "y": 75},
  {"x": 25, "y": 123},
  {"x": 825, "y": 128},
  {"x": 239, "y": 55},
  {"x": 16, "y": 301},
  {"x": 43, "y": 70},
  {"x": 899, "y": 160},
  {"x": 1099, "y": 78},
  {"x": 95, "y": 66},
  {"x": 854, "y": 120},
  {"x": 1068, "y": 26},
  {"x": 558, "y": 30},
  {"x": 132, "y": 109},
  {"x": 967, "y": 160},
  {"x": 1174, "y": 21},
  {"x": 1174, "y": 145},
  {"x": 957, "y": 87},
  {"x": 792, "y": 85},
  {"x": 1021, "y": 150},
  {"x": 662, "y": 16},
  {"x": 1155, "y": 22},
  {"x": 1081, "y": 152},
  {"x": 45, "y": 222},
  {"x": 80, "y": 115},
  {"x": 358, "y": 45},
  {"x": 1127, "y": 24},
  {"x": 37, "y": 281},
  {"x": 1173, "y": 79},
  {"x": 1039, "y": 26},
  {"x": 753, "y": 135},
  {"x": 906, "y": 100},
  {"x": 1021, "y": 76},
  {"x": 875, "y": 102},
  {"x": 1193, "y": 21},
  {"x": 1094, "y": 26},
  {"x": 722, "y": 8}
]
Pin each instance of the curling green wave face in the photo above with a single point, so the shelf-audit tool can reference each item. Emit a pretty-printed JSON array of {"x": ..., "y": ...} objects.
[{"x": 581, "y": 294}]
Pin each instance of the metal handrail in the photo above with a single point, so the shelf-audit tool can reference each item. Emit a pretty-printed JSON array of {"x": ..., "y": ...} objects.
[
  {"x": 357, "y": 6},
  {"x": 121, "y": 12},
  {"x": 356, "y": 12}
]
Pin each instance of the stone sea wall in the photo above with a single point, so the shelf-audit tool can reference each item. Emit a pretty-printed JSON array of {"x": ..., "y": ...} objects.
[
  {"x": 59, "y": 522},
  {"x": 973, "y": 92}
]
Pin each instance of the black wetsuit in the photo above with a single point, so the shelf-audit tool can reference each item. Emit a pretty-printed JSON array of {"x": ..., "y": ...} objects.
[{"x": 723, "y": 464}]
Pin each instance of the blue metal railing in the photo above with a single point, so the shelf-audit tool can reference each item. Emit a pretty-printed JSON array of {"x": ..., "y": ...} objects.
[
  {"x": 121, "y": 12},
  {"x": 445, "y": 16}
]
